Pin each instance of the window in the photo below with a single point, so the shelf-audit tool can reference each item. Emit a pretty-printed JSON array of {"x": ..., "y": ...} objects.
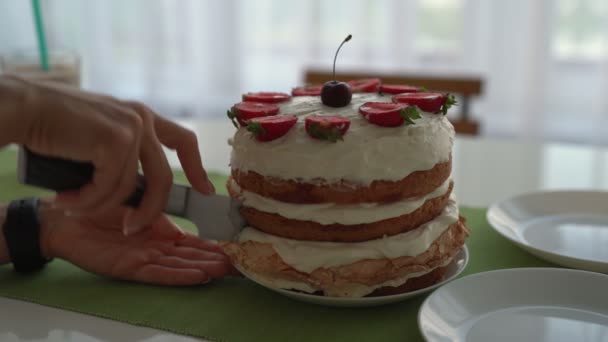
[
  {"x": 368, "y": 21},
  {"x": 580, "y": 30},
  {"x": 439, "y": 28},
  {"x": 544, "y": 61}
]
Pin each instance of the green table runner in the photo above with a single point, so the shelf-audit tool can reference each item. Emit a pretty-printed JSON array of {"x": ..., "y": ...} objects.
[{"x": 235, "y": 309}]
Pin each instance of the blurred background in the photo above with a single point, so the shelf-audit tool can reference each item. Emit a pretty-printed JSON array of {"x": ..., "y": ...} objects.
[{"x": 542, "y": 65}]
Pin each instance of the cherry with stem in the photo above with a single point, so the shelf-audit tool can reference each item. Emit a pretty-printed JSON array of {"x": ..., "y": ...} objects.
[{"x": 336, "y": 94}]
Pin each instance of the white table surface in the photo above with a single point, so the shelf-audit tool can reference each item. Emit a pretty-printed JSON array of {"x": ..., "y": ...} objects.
[{"x": 484, "y": 171}]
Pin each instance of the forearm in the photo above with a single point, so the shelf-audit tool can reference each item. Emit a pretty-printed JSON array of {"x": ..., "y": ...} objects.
[
  {"x": 13, "y": 118},
  {"x": 4, "y": 257}
]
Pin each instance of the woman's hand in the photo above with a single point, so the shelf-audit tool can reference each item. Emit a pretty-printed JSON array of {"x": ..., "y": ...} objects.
[
  {"x": 115, "y": 136},
  {"x": 161, "y": 254}
]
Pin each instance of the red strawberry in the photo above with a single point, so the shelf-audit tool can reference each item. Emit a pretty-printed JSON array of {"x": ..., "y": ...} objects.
[
  {"x": 244, "y": 111},
  {"x": 428, "y": 102},
  {"x": 269, "y": 128},
  {"x": 365, "y": 85},
  {"x": 331, "y": 128},
  {"x": 398, "y": 89},
  {"x": 307, "y": 91},
  {"x": 389, "y": 114},
  {"x": 268, "y": 97}
]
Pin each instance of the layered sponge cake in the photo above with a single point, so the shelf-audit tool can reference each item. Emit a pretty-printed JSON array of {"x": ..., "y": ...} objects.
[{"x": 348, "y": 202}]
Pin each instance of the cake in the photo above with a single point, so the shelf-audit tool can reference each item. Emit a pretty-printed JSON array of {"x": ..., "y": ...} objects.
[{"x": 347, "y": 202}]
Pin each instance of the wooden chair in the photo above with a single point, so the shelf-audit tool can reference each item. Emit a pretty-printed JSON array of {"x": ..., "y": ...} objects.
[{"x": 464, "y": 87}]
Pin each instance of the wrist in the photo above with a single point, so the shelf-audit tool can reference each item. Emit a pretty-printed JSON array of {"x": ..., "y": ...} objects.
[{"x": 21, "y": 242}]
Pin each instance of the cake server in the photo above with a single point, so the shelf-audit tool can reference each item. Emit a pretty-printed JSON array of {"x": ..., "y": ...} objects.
[{"x": 217, "y": 217}]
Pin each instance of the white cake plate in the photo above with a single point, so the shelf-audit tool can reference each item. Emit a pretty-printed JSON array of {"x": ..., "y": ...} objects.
[
  {"x": 456, "y": 267},
  {"x": 524, "y": 304},
  {"x": 569, "y": 228}
]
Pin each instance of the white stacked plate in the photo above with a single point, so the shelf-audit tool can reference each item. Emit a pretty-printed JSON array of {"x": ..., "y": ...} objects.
[
  {"x": 526, "y": 304},
  {"x": 569, "y": 228}
]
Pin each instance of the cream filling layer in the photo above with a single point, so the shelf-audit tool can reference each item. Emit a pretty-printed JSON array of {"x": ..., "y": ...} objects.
[
  {"x": 367, "y": 153},
  {"x": 330, "y": 213},
  {"x": 348, "y": 290},
  {"x": 307, "y": 256}
]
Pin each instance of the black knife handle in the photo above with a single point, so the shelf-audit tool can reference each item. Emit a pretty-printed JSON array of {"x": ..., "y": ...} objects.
[{"x": 63, "y": 175}]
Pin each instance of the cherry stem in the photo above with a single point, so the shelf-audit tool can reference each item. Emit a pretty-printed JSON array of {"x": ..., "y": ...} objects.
[{"x": 336, "y": 56}]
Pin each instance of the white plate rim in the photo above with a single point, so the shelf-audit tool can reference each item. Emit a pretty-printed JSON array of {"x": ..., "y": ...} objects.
[
  {"x": 364, "y": 301},
  {"x": 525, "y": 244},
  {"x": 470, "y": 277}
]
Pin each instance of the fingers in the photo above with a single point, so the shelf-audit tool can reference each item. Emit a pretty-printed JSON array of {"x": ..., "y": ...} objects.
[
  {"x": 185, "y": 247},
  {"x": 76, "y": 125},
  {"x": 191, "y": 247},
  {"x": 114, "y": 169},
  {"x": 164, "y": 275},
  {"x": 194, "y": 242},
  {"x": 185, "y": 143},
  {"x": 115, "y": 136},
  {"x": 176, "y": 271},
  {"x": 197, "y": 254},
  {"x": 213, "y": 268},
  {"x": 127, "y": 182},
  {"x": 164, "y": 228},
  {"x": 157, "y": 171}
]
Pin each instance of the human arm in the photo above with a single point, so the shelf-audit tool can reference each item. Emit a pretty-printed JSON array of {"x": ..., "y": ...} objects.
[{"x": 113, "y": 135}]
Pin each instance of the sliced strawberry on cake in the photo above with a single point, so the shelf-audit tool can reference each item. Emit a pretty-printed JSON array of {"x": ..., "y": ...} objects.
[
  {"x": 387, "y": 114},
  {"x": 330, "y": 128},
  {"x": 365, "y": 85},
  {"x": 244, "y": 111},
  {"x": 307, "y": 91},
  {"x": 266, "y": 96},
  {"x": 428, "y": 101},
  {"x": 398, "y": 89},
  {"x": 269, "y": 128}
]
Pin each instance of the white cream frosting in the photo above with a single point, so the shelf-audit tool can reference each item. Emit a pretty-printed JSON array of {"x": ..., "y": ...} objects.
[
  {"x": 367, "y": 153},
  {"x": 307, "y": 256},
  {"x": 330, "y": 213}
]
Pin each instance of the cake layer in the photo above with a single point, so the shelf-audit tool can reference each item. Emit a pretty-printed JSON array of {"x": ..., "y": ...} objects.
[
  {"x": 306, "y": 256},
  {"x": 355, "y": 279},
  {"x": 330, "y": 213},
  {"x": 368, "y": 152},
  {"x": 408, "y": 283},
  {"x": 416, "y": 184},
  {"x": 416, "y": 213},
  {"x": 413, "y": 283}
]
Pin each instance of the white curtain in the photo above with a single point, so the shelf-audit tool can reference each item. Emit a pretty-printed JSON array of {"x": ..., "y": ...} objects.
[{"x": 544, "y": 63}]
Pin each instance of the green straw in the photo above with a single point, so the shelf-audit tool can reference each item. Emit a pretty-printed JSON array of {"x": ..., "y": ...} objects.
[{"x": 44, "y": 57}]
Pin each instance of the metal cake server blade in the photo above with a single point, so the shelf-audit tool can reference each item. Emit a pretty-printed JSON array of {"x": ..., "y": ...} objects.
[{"x": 217, "y": 217}]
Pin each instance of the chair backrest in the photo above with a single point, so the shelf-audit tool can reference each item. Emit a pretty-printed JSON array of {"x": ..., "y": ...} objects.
[{"x": 463, "y": 86}]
